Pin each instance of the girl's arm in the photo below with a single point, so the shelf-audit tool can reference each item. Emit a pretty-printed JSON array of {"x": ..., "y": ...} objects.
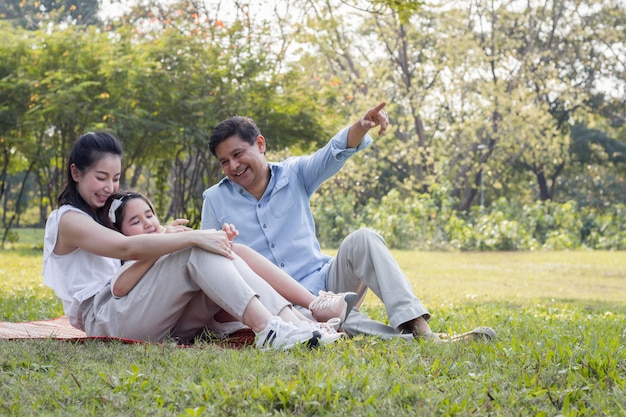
[
  {"x": 77, "y": 230},
  {"x": 284, "y": 284},
  {"x": 130, "y": 275},
  {"x": 133, "y": 271}
]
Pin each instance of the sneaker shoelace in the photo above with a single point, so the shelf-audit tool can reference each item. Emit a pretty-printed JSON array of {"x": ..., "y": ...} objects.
[
  {"x": 326, "y": 299},
  {"x": 279, "y": 326}
]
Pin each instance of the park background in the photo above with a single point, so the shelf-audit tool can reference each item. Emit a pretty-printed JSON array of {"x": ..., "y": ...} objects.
[
  {"x": 508, "y": 117},
  {"x": 499, "y": 188}
]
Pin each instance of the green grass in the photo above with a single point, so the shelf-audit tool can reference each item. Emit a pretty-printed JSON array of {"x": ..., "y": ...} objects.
[
  {"x": 560, "y": 317},
  {"x": 26, "y": 237}
]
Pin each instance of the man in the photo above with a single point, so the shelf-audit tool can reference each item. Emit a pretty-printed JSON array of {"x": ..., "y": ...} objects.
[{"x": 269, "y": 205}]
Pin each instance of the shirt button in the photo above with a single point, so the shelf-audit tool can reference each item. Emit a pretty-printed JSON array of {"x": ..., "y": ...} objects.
[
  {"x": 259, "y": 206},
  {"x": 273, "y": 246},
  {"x": 265, "y": 226},
  {"x": 241, "y": 191},
  {"x": 282, "y": 265}
]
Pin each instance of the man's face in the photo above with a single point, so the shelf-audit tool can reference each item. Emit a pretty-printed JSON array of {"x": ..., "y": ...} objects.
[{"x": 244, "y": 164}]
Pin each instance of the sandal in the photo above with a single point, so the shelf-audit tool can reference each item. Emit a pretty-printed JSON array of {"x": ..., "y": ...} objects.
[
  {"x": 482, "y": 333},
  {"x": 432, "y": 337}
]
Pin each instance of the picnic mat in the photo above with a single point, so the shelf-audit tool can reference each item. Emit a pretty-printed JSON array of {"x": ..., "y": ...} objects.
[{"x": 61, "y": 329}]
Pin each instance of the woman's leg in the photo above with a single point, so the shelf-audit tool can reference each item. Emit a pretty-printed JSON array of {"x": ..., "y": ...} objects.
[
  {"x": 195, "y": 318},
  {"x": 153, "y": 308},
  {"x": 288, "y": 314}
]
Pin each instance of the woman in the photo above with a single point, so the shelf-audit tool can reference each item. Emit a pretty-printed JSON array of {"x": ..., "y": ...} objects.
[{"x": 193, "y": 279}]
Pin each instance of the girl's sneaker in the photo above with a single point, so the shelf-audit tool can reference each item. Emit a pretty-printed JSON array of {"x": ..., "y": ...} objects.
[
  {"x": 328, "y": 330},
  {"x": 278, "y": 334},
  {"x": 329, "y": 305}
]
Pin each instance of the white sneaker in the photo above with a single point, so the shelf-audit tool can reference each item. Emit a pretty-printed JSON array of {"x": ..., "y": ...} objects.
[
  {"x": 328, "y": 330},
  {"x": 278, "y": 334},
  {"x": 329, "y": 305},
  {"x": 334, "y": 323}
]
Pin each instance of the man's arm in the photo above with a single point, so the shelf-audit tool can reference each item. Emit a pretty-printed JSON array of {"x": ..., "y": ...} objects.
[{"x": 374, "y": 117}]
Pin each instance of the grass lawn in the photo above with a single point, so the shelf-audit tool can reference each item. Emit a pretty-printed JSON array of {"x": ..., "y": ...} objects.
[{"x": 560, "y": 317}]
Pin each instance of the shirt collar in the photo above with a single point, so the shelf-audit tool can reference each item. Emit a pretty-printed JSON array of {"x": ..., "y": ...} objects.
[{"x": 275, "y": 171}]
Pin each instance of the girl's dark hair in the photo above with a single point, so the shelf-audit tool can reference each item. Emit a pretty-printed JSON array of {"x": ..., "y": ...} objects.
[
  {"x": 87, "y": 150},
  {"x": 244, "y": 127},
  {"x": 113, "y": 219}
]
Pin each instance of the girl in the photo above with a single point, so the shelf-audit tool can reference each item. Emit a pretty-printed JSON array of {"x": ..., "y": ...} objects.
[
  {"x": 131, "y": 213},
  {"x": 195, "y": 275}
]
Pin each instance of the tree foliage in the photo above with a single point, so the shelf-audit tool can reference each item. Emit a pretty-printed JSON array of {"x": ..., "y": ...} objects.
[
  {"x": 490, "y": 101},
  {"x": 480, "y": 90},
  {"x": 33, "y": 14}
]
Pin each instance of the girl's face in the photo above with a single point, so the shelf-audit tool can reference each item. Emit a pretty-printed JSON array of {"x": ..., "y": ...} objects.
[
  {"x": 99, "y": 181},
  {"x": 138, "y": 218}
]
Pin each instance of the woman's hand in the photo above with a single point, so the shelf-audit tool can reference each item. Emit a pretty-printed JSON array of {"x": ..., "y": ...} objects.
[{"x": 215, "y": 241}]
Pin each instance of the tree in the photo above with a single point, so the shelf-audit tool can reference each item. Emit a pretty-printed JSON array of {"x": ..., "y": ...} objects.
[
  {"x": 30, "y": 14},
  {"x": 553, "y": 55},
  {"x": 184, "y": 70},
  {"x": 15, "y": 94}
]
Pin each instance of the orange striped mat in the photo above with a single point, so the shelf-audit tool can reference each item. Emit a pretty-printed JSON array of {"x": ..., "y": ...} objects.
[{"x": 61, "y": 329}]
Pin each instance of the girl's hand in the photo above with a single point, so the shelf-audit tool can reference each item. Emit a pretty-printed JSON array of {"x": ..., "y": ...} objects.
[
  {"x": 177, "y": 226},
  {"x": 230, "y": 230}
]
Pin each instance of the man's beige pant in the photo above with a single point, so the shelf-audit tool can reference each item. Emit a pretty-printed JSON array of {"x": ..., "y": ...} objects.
[{"x": 363, "y": 261}]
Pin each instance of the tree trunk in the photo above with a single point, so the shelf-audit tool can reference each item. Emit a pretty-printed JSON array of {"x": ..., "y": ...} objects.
[
  {"x": 8, "y": 225},
  {"x": 470, "y": 192},
  {"x": 544, "y": 191}
]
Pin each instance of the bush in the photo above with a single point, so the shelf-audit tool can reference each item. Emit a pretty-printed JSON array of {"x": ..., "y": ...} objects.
[{"x": 430, "y": 221}]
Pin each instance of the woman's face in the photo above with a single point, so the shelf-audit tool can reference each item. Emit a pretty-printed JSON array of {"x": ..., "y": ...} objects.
[
  {"x": 138, "y": 218},
  {"x": 99, "y": 181}
]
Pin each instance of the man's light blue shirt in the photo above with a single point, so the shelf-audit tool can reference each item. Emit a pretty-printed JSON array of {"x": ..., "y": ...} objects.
[{"x": 280, "y": 225}]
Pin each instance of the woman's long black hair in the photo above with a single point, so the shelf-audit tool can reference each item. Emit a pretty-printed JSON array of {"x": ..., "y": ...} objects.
[{"x": 87, "y": 150}]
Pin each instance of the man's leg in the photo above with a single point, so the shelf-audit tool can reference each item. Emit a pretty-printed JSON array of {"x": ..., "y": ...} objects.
[
  {"x": 363, "y": 261},
  {"x": 358, "y": 323}
]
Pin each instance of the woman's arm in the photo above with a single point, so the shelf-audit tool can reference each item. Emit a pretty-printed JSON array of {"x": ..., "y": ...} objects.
[{"x": 79, "y": 231}]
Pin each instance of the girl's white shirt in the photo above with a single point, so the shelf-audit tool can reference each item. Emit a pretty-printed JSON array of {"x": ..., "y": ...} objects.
[{"x": 77, "y": 276}]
